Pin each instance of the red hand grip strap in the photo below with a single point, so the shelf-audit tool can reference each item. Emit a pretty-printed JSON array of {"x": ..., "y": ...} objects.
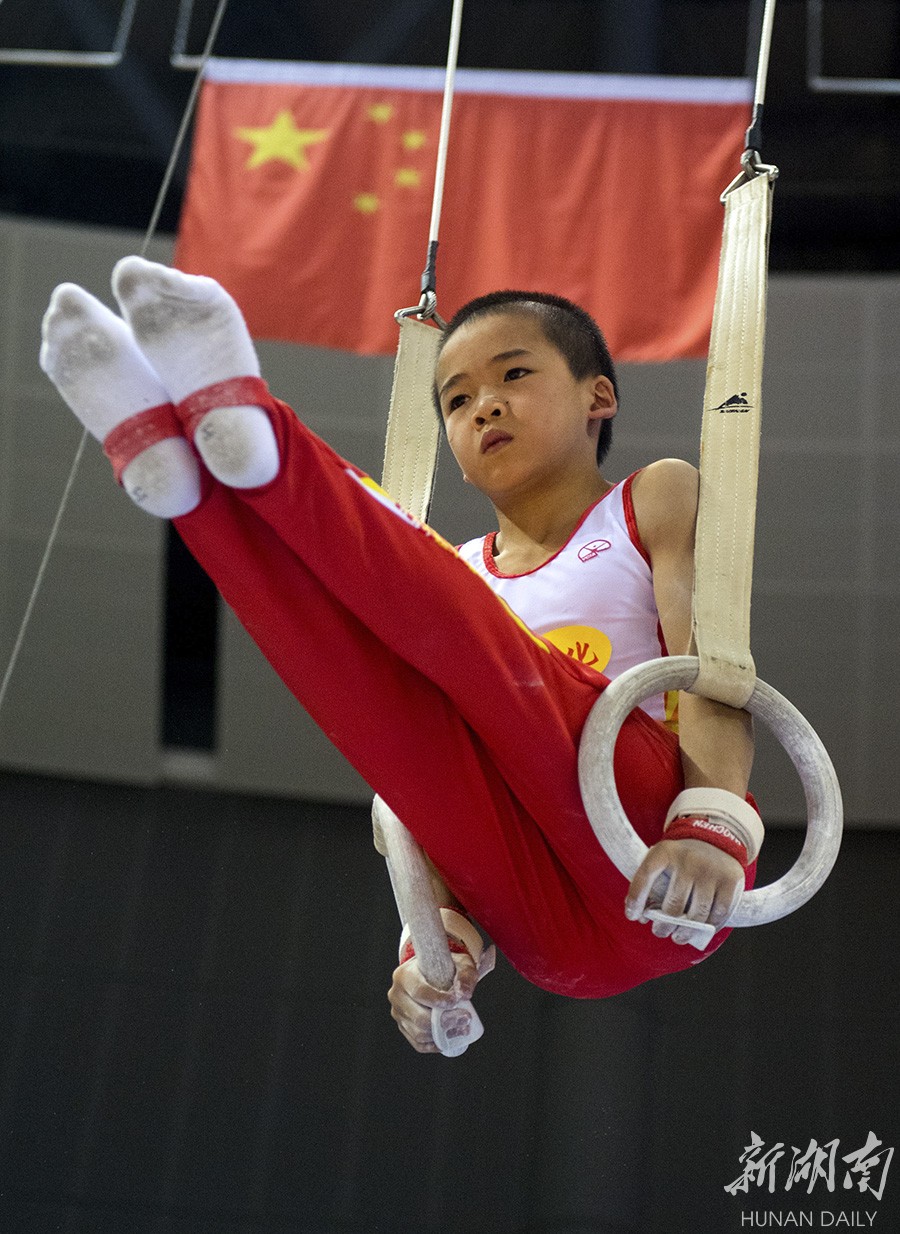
[{"x": 697, "y": 827}]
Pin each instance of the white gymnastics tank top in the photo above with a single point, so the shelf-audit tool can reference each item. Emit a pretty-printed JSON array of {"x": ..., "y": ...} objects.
[{"x": 594, "y": 598}]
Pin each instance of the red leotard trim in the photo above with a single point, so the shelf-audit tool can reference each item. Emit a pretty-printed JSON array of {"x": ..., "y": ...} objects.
[
  {"x": 487, "y": 548},
  {"x": 631, "y": 519}
]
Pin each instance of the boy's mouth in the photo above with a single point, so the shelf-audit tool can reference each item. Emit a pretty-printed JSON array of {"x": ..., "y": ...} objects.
[{"x": 493, "y": 439}]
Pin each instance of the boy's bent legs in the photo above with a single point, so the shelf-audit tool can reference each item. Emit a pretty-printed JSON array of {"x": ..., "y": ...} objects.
[{"x": 523, "y": 700}]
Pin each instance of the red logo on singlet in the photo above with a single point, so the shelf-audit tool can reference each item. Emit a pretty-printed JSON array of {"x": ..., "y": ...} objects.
[{"x": 589, "y": 551}]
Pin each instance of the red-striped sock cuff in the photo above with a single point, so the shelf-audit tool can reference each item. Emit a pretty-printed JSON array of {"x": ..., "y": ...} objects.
[
  {"x": 236, "y": 392},
  {"x": 134, "y": 435}
]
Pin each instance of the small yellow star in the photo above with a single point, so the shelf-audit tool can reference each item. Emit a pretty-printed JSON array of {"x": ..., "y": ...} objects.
[
  {"x": 366, "y": 203},
  {"x": 407, "y": 178},
  {"x": 381, "y": 112},
  {"x": 414, "y": 139},
  {"x": 283, "y": 141}
]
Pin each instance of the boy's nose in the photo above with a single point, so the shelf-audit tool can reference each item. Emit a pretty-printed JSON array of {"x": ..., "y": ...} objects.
[{"x": 488, "y": 407}]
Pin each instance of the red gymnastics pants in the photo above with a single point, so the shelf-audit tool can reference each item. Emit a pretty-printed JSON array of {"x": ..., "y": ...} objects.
[{"x": 461, "y": 719}]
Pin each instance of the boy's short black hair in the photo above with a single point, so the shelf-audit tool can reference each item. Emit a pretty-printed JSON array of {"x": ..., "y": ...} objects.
[{"x": 567, "y": 326}]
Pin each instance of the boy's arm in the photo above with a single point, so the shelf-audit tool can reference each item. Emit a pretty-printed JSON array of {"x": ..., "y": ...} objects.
[{"x": 716, "y": 740}]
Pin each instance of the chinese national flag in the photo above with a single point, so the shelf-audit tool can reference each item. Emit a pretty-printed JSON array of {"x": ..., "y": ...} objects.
[{"x": 310, "y": 190}]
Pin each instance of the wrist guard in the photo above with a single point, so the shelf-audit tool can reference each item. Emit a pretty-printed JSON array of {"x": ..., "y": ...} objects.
[{"x": 718, "y": 817}]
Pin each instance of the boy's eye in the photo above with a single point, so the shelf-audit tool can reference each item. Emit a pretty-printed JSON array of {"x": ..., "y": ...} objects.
[
  {"x": 456, "y": 401},
  {"x": 514, "y": 374}
]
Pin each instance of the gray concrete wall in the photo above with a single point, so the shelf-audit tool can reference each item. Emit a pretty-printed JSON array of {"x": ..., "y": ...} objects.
[{"x": 85, "y": 698}]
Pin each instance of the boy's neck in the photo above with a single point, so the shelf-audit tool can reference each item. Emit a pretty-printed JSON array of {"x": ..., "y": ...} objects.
[{"x": 533, "y": 528}]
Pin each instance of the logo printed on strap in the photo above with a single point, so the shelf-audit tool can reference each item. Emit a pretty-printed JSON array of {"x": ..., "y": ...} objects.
[{"x": 737, "y": 402}]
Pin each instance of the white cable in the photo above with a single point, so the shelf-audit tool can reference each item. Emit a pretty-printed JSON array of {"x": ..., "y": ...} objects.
[
  {"x": 444, "y": 138},
  {"x": 42, "y": 569},
  {"x": 186, "y": 118},
  {"x": 762, "y": 68}
]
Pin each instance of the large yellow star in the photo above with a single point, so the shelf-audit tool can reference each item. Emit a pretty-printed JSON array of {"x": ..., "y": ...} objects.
[{"x": 281, "y": 140}]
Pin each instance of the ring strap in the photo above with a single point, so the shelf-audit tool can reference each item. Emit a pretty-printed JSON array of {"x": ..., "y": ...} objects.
[
  {"x": 134, "y": 435},
  {"x": 236, "y": 392},
  {"x": 413, "y": 432},
  {"x": 729, "y": 451}
]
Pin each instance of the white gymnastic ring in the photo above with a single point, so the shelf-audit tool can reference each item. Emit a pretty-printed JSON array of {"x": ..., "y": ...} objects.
[{"x": 616, "y": 834}]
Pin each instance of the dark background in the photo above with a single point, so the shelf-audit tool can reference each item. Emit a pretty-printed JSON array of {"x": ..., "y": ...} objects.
[
  {"x": 195, "y": 1040},
  {"x": 193, "y": 1032}
]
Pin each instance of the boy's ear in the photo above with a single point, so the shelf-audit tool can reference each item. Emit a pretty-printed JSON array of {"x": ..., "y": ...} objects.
[{"x": 603, "y": 402}]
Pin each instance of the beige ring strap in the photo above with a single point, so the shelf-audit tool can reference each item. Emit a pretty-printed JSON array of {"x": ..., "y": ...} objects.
[
  {"x": 729, "y": 451},
  {"x": 722, "y": 667},
  {"x": 411, "y": 445}
]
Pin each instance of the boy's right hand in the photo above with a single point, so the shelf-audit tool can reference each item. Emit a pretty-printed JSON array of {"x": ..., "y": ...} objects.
[
  {"x": 687, "y": 879},
  {"x": 412, "y": 999}
]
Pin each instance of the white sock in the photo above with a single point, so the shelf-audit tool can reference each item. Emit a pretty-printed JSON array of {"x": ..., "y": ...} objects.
[
  {"x": 91, "y": 357},
  {"x": 193, "y": 334}
]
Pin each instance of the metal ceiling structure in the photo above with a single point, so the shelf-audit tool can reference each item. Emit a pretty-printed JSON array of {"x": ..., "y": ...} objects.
[
  {"x": 815, "y": 59},
  {"x": 88, "y": 27}
]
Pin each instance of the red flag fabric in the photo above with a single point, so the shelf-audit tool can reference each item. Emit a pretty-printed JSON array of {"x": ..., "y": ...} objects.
[{"x": 310, "y": 193}]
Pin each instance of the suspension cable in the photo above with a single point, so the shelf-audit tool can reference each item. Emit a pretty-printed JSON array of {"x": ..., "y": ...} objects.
[
  {"x": 753, "y": 139},
  {"x": 429, "y": 298},
  {"x": 180, "y": 137}
]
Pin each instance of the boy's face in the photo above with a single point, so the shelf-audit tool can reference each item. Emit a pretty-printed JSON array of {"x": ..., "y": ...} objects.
[{"x": 516, "y": 418}]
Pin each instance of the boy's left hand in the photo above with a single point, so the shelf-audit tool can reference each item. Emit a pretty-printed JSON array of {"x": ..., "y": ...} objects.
[
  {"x": 685, "y": 878},
  {"x": 412, "y": 999}
]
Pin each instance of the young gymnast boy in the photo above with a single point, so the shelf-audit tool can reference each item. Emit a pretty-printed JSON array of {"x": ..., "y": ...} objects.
[{"x": 445, "y": 697}]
